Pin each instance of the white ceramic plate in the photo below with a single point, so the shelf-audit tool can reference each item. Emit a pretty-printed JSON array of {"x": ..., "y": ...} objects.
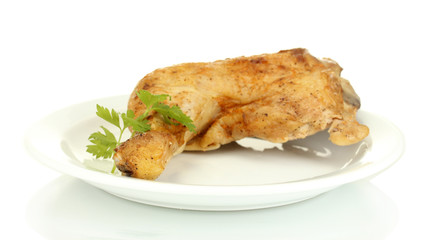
[{"x": 249, "y": 174}]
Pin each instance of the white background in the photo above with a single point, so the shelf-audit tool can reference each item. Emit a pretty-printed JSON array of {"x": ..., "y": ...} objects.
[{"x": 57, "y": 53}]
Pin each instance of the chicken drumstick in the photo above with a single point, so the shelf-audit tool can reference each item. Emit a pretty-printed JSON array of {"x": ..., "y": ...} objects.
[{"x": 277, "y": 97}]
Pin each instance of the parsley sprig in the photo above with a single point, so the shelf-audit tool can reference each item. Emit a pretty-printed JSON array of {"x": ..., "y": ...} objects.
[{"x": 104, "y": 143}]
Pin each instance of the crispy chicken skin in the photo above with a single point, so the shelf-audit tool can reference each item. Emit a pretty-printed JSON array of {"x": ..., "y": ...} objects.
[{"x": 277, "y": 97}]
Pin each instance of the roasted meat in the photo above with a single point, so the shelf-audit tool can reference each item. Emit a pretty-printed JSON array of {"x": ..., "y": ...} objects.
[{"x": 276, "y": 97}]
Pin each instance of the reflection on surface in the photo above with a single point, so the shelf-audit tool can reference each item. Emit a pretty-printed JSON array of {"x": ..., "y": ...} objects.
[
  {"x": 68, "y": 208},
  {"x": 319, "y": 146}
]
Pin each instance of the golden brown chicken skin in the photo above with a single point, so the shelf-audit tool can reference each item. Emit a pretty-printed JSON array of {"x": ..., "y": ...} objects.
[{"x": 277, "y": 97}]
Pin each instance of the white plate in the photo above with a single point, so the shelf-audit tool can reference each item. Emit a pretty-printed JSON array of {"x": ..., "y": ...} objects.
[{"x": 250, "y": 174}]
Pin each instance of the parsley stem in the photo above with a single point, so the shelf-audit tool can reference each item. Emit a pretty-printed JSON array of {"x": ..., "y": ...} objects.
[
  {"x": 120, "y": 136},
  {"x": 146, "y": 113},
  {"x": 117, "y": 144}
]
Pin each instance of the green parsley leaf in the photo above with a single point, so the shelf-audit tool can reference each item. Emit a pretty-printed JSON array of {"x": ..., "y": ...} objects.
[
  {"x": 103, "y": 144},
  {"x": 110, "y": 116},
  {"x": 137, "y": 125},
  {"x": 150, "y": 99},
  {"x": 174, "y": 113}
]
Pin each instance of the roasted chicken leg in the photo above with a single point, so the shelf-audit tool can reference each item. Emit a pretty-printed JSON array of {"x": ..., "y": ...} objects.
[{"x": 277, "y": 97}]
